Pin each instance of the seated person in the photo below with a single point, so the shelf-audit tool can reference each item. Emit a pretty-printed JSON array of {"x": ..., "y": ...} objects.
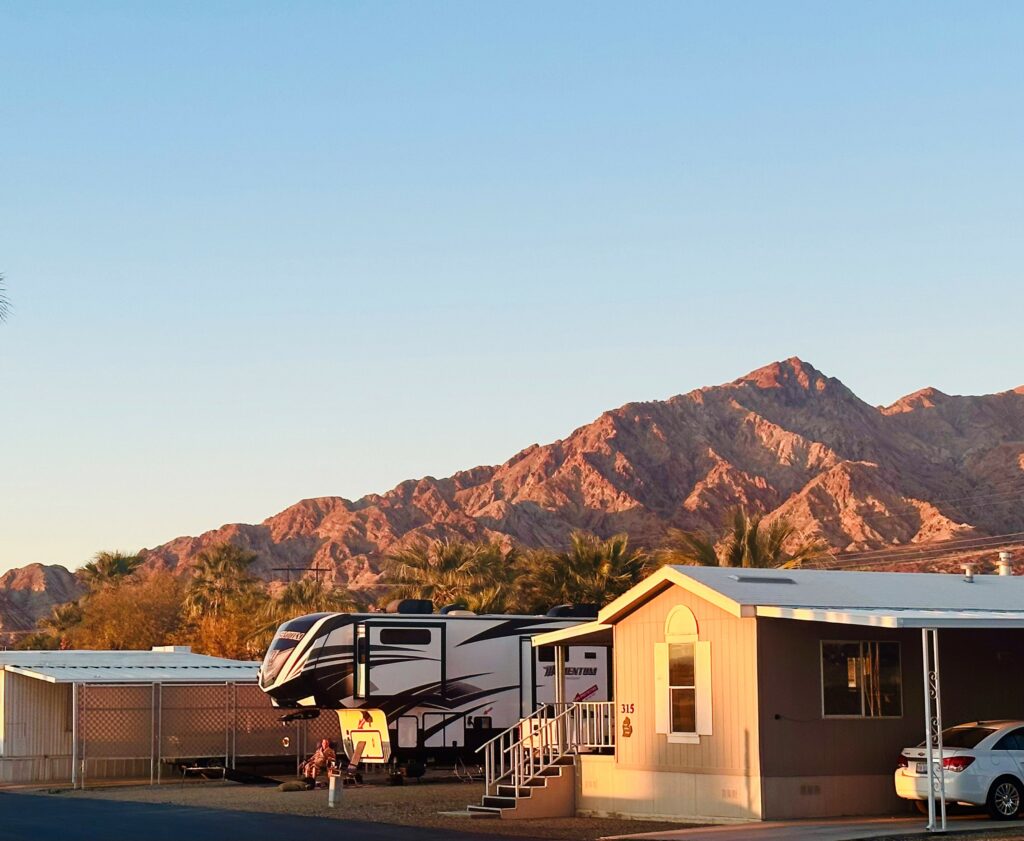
[{"x": 322, "y": 760}]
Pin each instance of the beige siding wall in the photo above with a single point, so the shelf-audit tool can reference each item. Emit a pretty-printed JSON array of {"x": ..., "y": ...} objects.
[
  {"x": 650, "y": 776},
  {"x": 37, "y": 717}
]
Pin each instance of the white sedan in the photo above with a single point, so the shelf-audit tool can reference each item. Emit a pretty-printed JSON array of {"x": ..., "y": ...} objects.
[{"x": 983, "y": 765}]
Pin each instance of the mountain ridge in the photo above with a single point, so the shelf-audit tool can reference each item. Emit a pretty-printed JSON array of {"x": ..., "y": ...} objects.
[{"x": 782, "y": 440}]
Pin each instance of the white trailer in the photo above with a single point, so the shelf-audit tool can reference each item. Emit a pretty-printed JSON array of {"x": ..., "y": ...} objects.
[{"x": 447, "y": 682}]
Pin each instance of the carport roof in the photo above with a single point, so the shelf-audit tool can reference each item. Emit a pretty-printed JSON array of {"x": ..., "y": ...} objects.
[
  {"x": 884, "y": 599},
  {"x": 169, "y": 665}
]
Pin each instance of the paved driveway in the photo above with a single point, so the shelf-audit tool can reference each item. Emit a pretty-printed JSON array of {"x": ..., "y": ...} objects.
[
  {"x": 852, "y": 829},
  {"x": 26, "y": 816}
]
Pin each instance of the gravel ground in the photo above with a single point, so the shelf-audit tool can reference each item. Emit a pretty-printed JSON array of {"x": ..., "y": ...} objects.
[{"x": 414, "y": 804}]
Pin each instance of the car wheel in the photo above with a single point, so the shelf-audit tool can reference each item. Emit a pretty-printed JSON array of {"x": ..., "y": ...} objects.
[
  {"x": 921, "y": 806},
  {"x": 1005, "y": 799}
]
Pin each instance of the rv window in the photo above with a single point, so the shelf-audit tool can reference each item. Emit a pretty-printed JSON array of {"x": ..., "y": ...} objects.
[
  {"x": 546, "y": 654},
  {"x": 861, "y": 679},
  {"x": 405, "y": 636}
]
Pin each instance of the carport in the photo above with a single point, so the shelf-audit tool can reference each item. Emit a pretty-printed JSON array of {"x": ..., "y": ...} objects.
[{"x": 78, "y": 716}]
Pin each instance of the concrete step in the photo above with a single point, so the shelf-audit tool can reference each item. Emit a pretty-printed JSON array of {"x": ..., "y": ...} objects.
[
  {"x": 478, "y": 811},
  {"x": 499, "y": 802},
  {"x": 512, "y": 791}
]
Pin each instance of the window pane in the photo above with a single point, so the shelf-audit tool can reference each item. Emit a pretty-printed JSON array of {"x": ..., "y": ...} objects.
[
  {"x": 405, "y": 636},
  {"x": 684, "y": 716},
  {"x": 965, "y": 737},
  {"x": 841, "y": 678},
  {"x": 890, "y": 679},
  {"x": 680, "y": 664}
]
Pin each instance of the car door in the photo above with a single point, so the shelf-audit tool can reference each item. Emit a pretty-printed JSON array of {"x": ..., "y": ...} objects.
[{"x": 1007, "y": 753}]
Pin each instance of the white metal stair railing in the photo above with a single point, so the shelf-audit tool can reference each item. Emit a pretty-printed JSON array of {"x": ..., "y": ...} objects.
[{"x": 526, "y": 749}]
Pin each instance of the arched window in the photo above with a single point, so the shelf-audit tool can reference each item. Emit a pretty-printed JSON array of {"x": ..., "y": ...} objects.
[{"x": 682, "y": 680}]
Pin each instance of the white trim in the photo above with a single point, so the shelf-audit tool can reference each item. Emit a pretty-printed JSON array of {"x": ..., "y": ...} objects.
[
  {"x": 684, "y": 738},
  {"x": 616, "y": 609},
  {"x": 564, "y": 635}
]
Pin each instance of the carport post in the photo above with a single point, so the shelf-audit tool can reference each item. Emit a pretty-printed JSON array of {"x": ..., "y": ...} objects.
[
  {"x": 933, "y": 728},
  {"x": 74, "y": 735}
]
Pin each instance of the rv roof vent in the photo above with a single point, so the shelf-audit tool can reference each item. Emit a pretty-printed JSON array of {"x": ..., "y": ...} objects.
[
  {"x": 761, "y": 579},
  {"x": 411, "y": 606},
  {"x": 461, "y": 613},
  {"x": 458, "y": 609},
  {"x": 574, "y": 611}
]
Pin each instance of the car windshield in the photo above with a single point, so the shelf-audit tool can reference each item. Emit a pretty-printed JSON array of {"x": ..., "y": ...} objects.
[{"x": 963, "y": 737}]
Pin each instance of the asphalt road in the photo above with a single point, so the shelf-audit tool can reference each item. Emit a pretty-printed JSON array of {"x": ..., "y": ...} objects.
[{"x": 32, "y": 817}]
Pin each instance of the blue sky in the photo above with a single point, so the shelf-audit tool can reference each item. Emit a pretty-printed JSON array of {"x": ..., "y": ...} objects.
[{"x": 260, "y": 252}]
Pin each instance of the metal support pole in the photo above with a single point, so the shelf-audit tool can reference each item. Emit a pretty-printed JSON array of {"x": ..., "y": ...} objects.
[
  {"x": 933, "y": 730},
  {"x": 74, "y": 735},
  {"x": 928, "y": 758},
  {"x": 152, "y": 733},
  {"x": 159, "y": 732},
  {"x": 227, "y": 724},
  {"x": 941, "y": 771}
]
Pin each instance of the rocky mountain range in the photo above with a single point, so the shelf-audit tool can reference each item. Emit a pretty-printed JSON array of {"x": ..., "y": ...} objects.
[{"x": 785, "y": 440}]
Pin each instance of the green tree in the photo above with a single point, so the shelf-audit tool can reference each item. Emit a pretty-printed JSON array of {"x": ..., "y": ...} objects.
[
  {"x": 478, "y": 575},
  {"x": 107, "y": 569},
  {"x": 749, "y": 542},
  {"x": 591, "y": 571},
  {"x": 136, "y": 614},
  {"x": 220, "y": 581}
]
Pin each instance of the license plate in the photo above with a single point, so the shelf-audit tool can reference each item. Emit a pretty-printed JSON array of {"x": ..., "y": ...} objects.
[{"x": 922, "y": 768}]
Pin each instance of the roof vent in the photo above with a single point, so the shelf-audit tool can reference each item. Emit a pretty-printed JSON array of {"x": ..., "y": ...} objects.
[
  {"x": 1004, "y": 566},
  {"x": 761, "y": 579},
  {"x": 173, "y": 649},
  {"x": 969, "y": 573}
]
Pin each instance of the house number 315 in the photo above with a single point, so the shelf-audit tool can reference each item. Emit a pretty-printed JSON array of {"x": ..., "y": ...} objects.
[{"x": 627, "y": 709}]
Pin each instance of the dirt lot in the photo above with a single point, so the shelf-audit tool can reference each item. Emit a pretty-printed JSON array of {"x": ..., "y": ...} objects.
[{"x": 415, "y": 804}]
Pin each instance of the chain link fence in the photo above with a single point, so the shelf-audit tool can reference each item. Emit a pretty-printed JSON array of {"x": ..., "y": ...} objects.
[{"x": 134, "y": 731}]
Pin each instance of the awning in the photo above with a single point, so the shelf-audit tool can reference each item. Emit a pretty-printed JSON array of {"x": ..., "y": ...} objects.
[
  {"x": 889, "y": 618},
  {"x": 589, "y": 633}
]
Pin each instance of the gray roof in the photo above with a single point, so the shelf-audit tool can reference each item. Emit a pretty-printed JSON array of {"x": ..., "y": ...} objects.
[
  {"x": 884, "y": 599},
  {"x": 171, "y": 665},
  {"x": 862, "y": 590}
]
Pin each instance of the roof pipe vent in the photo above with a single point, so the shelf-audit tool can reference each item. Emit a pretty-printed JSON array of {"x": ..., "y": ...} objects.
[
  {"x": 969, "y": 573},
  {"x": 1005, "y": 568}
]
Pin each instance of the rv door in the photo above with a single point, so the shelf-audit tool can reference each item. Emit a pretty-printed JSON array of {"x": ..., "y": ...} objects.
[{"x": 405, "y": 658}]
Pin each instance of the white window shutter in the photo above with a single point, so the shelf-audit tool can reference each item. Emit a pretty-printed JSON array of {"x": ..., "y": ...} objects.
[
  {"x": 662, "y": 720},
  {"x": 703, "y": 685}
]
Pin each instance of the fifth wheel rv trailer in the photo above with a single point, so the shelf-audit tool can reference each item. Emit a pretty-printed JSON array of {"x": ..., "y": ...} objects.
[{"x": 447, "y": 682}]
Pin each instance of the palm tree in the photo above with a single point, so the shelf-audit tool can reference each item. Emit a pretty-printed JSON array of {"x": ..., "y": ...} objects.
[
  {"x": 750, "y": 542},
  {"x": 591, "y": 571},
  {"x": 687, "y": 548},
  {"x": 5, "y": 304},
  {"x": 62, "y": 622},
  {"x": 107, "y": 569},
  {"x": 477, "y": 575},
  {"x": 299, "y": 598},
  {"x": 220, "y": 581},
  {"x": 309, "y": 595}
]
